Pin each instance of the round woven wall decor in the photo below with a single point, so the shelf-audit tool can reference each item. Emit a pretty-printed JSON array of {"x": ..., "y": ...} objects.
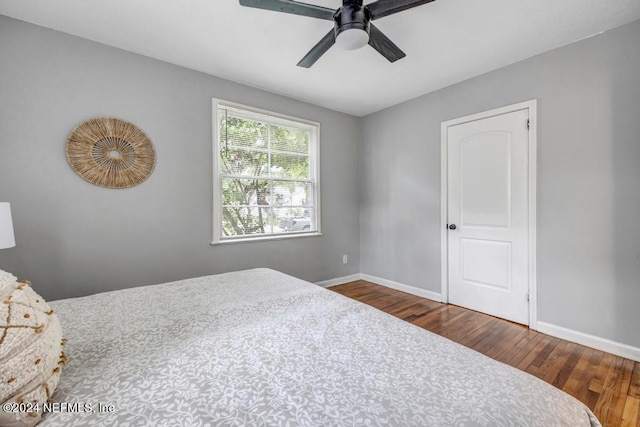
[{"x": 111, "y": 153}]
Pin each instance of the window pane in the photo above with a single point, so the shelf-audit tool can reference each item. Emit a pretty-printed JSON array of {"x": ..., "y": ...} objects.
[
  {"x": 288, "y": 139},
  {"x": 239, "y": 221},
  {"x": 240, "y": 192},
  {"x": 293, "y": 219},
  {"x": 289, "y": 166},
  {"x": 291, "y": 193},
  {"x": 241, "y": 132},
  {"x": 266, "y": 177},
  {"x": 238, "y": 161}
]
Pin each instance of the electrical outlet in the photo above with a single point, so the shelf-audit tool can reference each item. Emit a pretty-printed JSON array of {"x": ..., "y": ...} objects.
[{"x": 344, "y": 259}]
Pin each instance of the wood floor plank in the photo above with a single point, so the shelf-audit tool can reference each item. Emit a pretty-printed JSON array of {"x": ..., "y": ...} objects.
[
  {"x": 493, "y": 338},
  {"x": 574, "y": 354},
  {"x": 608, "y": 384},
  {"x": 527, "y": 351},
  {"x": 631, "y": 414},
  {"x": 522, "y": 339},
  {"x": 614, "y": 393},
  {"x": 579, "y": 376},
  {"x": 561, "y": 358},
  {"x": 634, "y": 387},
  {"x": 545, "y": 352},
  {"x": 405, "y": 309},
  {"x": 597, "y": 381},
  {"x": 470, "y": 329},
  {"x": 537, "y": 358},
  {"x": 456, "y": 328},
  {"x": 414, "y": 311}
]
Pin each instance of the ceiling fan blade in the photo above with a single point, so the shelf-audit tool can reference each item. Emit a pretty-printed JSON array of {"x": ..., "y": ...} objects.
[
  {"x": 382, "y": 8},
  {"x": 318, "y": 50},
  {"x": 382, "y": 44},
  {"x": 294, "y": 7}
]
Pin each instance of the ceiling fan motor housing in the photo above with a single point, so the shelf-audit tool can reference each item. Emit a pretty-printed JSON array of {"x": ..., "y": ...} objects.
[{"x": 352, "y": 16}]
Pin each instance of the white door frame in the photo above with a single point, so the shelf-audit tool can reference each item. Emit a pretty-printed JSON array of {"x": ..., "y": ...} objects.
[{"x": 530, "y": 105}]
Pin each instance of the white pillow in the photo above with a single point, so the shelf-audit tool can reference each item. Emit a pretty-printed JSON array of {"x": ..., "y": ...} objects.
[{"x": 31, "y": 355}]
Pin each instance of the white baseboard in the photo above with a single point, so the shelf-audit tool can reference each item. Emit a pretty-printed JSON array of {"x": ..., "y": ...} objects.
[
  {"x": 402, "y": 287},
  {"x": 339, "y": 280},
  {"x": 613, "y": 347}
]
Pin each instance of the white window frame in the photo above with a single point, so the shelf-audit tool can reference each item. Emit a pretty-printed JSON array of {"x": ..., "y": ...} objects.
[{"x": 314, "y": 171}]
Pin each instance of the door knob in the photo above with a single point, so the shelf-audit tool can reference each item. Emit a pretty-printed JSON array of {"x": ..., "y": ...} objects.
[{"x": 452, "y": 227}]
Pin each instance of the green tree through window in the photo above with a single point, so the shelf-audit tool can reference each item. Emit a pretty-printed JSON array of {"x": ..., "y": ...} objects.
[{"x": 266, "y": 174}]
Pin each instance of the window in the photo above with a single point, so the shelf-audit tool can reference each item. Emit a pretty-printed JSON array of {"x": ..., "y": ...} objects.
[{"x": 265, "y": 175}]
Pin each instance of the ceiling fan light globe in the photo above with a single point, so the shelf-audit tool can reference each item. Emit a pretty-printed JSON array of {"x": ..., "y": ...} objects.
[{"x": 352, "y": 39}]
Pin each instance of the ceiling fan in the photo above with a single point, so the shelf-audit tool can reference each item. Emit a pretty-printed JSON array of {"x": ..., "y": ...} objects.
[{"x": 352, "y": 24}]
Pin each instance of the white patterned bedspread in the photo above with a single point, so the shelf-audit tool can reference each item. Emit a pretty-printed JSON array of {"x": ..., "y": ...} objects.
[{"x": 260, "y": 348}]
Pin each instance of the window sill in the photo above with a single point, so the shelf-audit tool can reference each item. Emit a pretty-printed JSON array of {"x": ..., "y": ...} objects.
[{"x": 266, "y": 238}]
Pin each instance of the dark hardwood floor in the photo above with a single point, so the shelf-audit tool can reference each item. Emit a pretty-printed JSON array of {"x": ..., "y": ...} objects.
[{"x": 608, "y": 384}]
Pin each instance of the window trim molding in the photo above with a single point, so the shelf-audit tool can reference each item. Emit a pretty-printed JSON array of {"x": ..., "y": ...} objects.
[{"x": 314, "y": 169}]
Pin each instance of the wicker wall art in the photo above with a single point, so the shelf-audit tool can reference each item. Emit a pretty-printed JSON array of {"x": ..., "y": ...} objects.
[{"x": 111, "y": 153}]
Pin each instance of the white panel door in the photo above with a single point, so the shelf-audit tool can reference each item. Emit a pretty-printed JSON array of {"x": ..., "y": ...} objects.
[{"x": 488, "y": 215}]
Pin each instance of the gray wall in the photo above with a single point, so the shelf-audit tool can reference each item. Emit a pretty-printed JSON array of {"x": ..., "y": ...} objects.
[
  {"x": 588, "y": 181},
  {"x": 74, "y": 238}
]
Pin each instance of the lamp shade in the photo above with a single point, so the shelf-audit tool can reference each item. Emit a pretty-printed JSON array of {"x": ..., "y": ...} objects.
[{"x": 7, "y": 239}]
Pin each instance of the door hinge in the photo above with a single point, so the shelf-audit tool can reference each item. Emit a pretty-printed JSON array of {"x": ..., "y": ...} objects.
[
  {"x": 528, "y": 124},
  {"x": 527, "y": 297}
]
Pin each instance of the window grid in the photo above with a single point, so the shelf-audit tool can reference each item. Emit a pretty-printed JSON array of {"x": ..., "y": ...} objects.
[{"x": 300, "y": 218}]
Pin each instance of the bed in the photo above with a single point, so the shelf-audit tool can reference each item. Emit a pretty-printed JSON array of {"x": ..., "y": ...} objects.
[{"x": 261, "y": 348}]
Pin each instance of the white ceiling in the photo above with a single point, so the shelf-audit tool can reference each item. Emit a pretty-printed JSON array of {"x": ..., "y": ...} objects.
[{"x": 446, "y": 41}]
